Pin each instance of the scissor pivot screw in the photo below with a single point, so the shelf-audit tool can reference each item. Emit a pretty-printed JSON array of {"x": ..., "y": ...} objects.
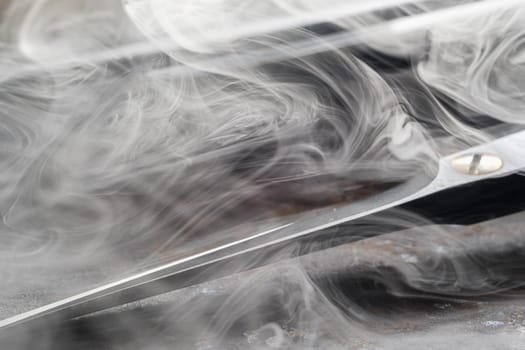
[{"x": 477, "y": 164}]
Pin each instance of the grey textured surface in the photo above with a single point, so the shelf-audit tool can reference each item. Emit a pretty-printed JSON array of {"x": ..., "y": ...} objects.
[{"x": 435, "y": 287}]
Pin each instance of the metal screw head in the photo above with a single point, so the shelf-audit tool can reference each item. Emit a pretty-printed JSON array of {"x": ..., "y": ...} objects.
[{"x": 477, "y": 164}]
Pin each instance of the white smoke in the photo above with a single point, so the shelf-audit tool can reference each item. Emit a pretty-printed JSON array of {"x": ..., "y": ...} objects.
[{"x": 135, "y": 131}]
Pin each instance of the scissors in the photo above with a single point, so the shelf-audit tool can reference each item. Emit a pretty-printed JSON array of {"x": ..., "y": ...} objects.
[{"x": 499, "y": 157}]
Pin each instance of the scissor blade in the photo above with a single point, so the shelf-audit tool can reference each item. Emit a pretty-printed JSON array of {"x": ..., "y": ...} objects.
[{"x": 231, "y": 257}]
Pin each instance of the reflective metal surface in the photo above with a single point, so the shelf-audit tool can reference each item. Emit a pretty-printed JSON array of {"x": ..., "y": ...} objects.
[{"x": 510, "y": 147}]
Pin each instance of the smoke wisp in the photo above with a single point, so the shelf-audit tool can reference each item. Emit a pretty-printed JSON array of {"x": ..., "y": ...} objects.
[{"x": 136, "y": 131}]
